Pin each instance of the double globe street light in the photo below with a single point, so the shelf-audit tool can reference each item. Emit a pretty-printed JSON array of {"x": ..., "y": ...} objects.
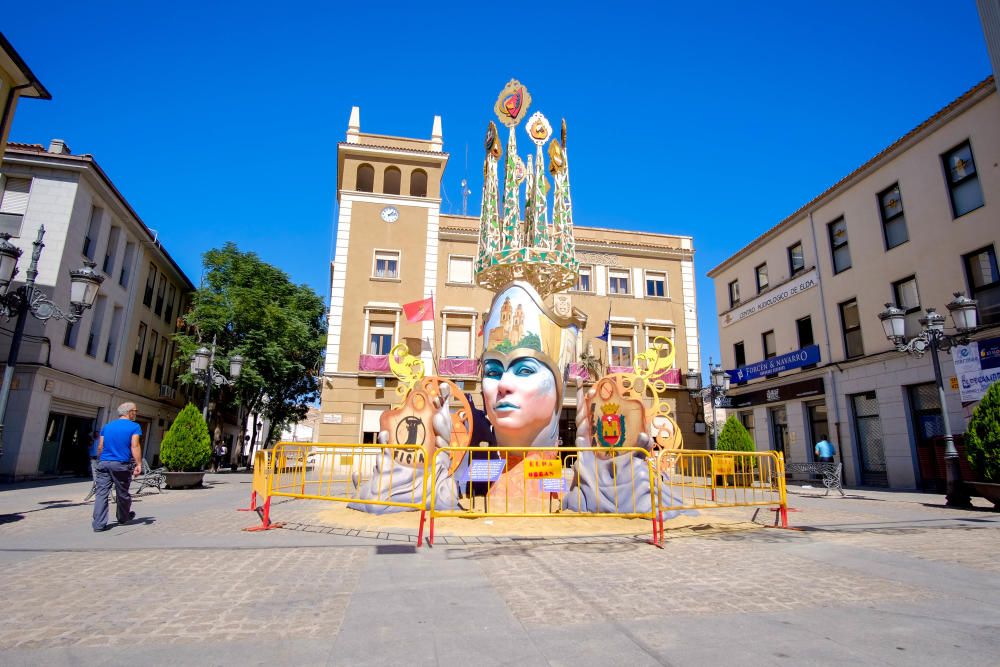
[
  {"x": 203, "y": 368},
  {"x": 718, "y": 387},
  {"x": 932, "y": 337},
  {"x": 27, "y": 300}
]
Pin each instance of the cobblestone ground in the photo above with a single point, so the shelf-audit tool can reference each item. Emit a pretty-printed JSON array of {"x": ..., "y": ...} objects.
[{"x": 186, "y": 574}]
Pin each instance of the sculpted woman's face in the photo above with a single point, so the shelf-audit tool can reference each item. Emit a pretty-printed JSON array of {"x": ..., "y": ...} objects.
[{"x": 521, "y": 402}]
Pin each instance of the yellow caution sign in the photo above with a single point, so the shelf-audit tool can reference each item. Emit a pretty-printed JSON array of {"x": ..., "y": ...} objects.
[{"x": 542, "y": 468}]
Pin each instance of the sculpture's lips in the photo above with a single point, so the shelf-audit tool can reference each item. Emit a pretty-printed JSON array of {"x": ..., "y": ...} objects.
[{"x": 506, "y": 405}]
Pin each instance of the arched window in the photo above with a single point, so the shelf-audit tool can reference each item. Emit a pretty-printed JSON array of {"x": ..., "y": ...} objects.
[
  {"x": 418, "y": 183},
  {"x": 392, "y": 179},
  {"x": 366, "y": 178}
]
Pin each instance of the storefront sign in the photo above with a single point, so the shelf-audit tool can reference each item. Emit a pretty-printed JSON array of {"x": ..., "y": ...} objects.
[
  {"x": 786, "y": 392},
  {"x": 784, "y": 362},
  {"x": 977, "y": 366},
  {"x": 777, "y": 295}
]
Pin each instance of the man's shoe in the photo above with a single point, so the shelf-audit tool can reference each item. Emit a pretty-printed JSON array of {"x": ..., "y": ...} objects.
[
  {"x": 101, "y": 529},
  {"x": 131, "y": 515}
]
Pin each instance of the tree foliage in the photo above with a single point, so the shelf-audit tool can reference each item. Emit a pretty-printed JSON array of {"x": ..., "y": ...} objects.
[
  {"x": 734, "y": 437},
  {"x": 186, "y": 447},
  {"x": 982, "y": 439},
  {"x": 252, "y": 308}
]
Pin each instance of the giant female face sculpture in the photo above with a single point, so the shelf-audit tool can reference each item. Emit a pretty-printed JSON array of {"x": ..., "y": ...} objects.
[{"x": 520, "y": 401}]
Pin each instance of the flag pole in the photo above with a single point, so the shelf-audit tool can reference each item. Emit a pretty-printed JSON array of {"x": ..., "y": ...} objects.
[{"x": 434, "y": 347}]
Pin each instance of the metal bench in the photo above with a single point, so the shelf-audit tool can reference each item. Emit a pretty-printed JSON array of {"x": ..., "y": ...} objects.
[
  {"x": 831, "y": 473},
  {"x": 150, "y": 478}
]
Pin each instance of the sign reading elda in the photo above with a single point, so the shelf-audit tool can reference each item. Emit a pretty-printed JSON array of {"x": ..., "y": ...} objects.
[{"x": 768, "y": 299}]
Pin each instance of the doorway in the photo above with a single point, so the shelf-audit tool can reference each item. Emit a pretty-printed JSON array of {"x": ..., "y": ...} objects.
[
  {"x": 928, "y": 425},
  {"x": 818, "y": 429},
  {"x": 779, "y": 428},
  {"x": 66, "y": 444},
  {"x": 871, "y": 450}
]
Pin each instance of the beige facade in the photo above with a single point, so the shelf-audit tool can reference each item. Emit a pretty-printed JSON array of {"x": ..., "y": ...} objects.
[
  {"x": 913, "y": 225},
  {"x": 394, "y": 246},
  {"x": 70, "y": 379},
  {"x": 16, "y": 81}
]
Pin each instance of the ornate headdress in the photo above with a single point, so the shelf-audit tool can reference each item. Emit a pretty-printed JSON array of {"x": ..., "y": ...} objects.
[{"x": 525, "y": 260}]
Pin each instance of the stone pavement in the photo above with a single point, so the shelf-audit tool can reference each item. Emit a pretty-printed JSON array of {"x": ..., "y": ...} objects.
[{"x": 873, "y": 578}]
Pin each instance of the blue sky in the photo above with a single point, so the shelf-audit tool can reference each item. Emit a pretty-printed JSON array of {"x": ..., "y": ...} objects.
[{"x": 219, "y": 121}]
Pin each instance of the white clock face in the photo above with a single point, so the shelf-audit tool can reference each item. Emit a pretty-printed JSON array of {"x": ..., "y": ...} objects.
[{"x": 390, "y": 214}]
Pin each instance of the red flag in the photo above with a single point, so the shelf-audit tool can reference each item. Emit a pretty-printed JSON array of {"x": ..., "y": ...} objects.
[{"x": 418, "y": 311}]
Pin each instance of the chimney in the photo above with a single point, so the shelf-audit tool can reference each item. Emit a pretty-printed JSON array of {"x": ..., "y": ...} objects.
[{"x": 59, "y": 147}]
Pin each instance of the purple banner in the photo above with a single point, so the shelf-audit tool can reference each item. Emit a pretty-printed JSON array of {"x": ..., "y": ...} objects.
[
  {"x": 458, "y": 366},
  {"x": 373, "y": 363}
]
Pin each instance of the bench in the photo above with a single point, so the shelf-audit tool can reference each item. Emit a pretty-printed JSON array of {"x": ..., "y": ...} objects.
[
  {"x": 150, "y": 478},
  {"x": 831, "y": 473}
]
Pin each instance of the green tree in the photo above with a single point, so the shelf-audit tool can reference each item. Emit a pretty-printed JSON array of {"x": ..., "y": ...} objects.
[
  {"x": 982, "y": 439},
  {"x": 186, "y": 447},
  {"x": 253, "y": 309},
  {"x": 734, "y": 437}
]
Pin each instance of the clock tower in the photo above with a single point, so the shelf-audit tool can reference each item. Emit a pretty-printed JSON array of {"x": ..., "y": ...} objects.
[{"x": 389, "y": 201}]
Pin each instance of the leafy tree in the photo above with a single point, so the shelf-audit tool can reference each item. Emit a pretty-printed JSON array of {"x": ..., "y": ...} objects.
[
  {"x": 252, "y": 308},
  {"x": 734, "y": 437},
  {"x": 187, "y": 446},
  {"x": 982, "y": 439}
]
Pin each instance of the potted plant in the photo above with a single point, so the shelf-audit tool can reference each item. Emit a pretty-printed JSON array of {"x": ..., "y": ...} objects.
[
  {"x": 735, "y": 438},
  {"x": 186, "y": 449},
  {"x": 982, "y": 445}
]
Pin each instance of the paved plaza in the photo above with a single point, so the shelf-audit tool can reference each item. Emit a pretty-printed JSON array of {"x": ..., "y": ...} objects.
[{"x": 876, "y": 578}]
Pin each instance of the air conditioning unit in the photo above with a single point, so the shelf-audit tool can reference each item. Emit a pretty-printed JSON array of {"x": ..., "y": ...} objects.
[{"x": 166, "y": 391}]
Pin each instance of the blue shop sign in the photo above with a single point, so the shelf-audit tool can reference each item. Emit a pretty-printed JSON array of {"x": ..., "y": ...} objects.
[{"x": 784, "y": 362}]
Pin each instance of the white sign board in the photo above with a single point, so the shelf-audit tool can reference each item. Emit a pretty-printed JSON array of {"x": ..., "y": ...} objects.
[{"x": 768, "y": 299}]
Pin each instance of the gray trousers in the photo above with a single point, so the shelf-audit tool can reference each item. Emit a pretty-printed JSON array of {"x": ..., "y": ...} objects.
[{"x": 118, "y": 473}]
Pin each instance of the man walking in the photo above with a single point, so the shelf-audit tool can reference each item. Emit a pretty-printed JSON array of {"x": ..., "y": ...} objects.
[
  {"x": 824, "y": 451},
  {"x": 120, "y": 453}
]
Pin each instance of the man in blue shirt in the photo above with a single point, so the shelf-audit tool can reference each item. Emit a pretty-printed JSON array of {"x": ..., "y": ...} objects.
[
  {"x": 120, "y": 453},
  {"x": 824, "y": 451}
]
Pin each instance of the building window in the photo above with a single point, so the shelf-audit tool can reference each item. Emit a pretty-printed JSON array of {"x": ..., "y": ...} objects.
[
  {"x": 767, "y": 341},
  {"x": 804, "y": 329},
  {"x": 963, "y": 180},
  {"x": 621, "y": 351},
  {"x": 94, "y": 339},
  {"x": 161, "y": 292},
  {"x": 456, "y": 342},
  {"x": 392, "y": 178},
  {"x": 380, "y": 338},
  {"x": 984, "y": 283},
  {"x": 147, "y": 296},
  {"x": 150, "y": 356},
  {"x": 739, "y": 354},
  {"x": 618, "y": 282},
  {"x": 161, "y": 364},
  {"x": 112, "y": 346},
  {"x": 761, "y": 272},
  {"x": 906, "y": 298},
  {"x": 71, "y": 333},
  {"x": 460, "y": 270},
  {"x": 796, "y": 259},
  {"x": 140, "y": 343},
  {"x": 366, "y": 178},
  {"x": 656, "y": 284},
  {"x": 585, "y": 279},
  {"x": 418, "y": 183},
  {"x": 386, "y": 264},
  {"x": 126, "y": 271},
  {"x": 109, "y": 253},
  {"x": 93, "y": 229},
  {"x": 14, "y": 204},
  {"x": 890, "y": 206},
  {"x": 734, "y": 293},
  {"x": 850, "y": 322},
  {"x": 838, "y": 245},
  {"x": 168, "y": 313}
]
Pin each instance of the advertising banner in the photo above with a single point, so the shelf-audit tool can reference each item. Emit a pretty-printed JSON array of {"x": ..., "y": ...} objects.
[
  {"x": 782, "y": 362},
  {"x": 768, "y": 299},
  {"x": 977, "y": 366}
]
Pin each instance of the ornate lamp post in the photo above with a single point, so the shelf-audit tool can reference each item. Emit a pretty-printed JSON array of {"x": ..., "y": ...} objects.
[
  {"x": 964, "y": 315},
  {"x": 26, "y": 300},
  {"x": 203, "y": 368},
  {"x": 718, "y": 387}
]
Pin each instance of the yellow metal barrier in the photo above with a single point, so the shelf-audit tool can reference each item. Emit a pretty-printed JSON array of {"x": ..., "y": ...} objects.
[
  {"x": 349, "y": 473},
  {"x": 524, "y": 482},
  {"x": 258, "y": 488},
  {"x": 696, "y": 479}
]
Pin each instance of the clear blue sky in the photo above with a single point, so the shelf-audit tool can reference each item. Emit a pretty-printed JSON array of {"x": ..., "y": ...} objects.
[{"x": 221, "y": 122}]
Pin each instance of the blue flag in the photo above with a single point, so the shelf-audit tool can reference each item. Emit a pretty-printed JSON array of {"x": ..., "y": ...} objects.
[{"x": 607, "y": 329}]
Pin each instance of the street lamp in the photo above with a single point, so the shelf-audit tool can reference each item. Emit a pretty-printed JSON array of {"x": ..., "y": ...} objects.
[
  {"x": 717, "y": 388},
  {"x": 203, "y": 368},
  {"x": 964, "y": 315},
  {"x": 26, "y": 300}
]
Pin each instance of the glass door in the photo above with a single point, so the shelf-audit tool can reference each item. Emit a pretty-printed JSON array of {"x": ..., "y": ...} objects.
[
  {"x": 868, "y": 428},
  {"x": 817, "y": 427},
  {"x": 779, "y": 428}
]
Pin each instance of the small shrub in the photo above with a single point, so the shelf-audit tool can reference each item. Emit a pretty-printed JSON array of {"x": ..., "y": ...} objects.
[
  {"x": 982, "y": 439},
  {"x": 187, "y": 447},
  {"x": 735, "y": 438}
]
